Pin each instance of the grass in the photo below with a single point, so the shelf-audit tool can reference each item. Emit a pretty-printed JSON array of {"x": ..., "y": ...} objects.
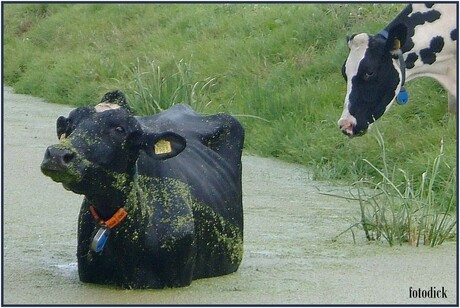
[
  {"x": 277, "y": 67},
  {"x": 152, "y": 91},
  {"x": 401, "y": 212}
]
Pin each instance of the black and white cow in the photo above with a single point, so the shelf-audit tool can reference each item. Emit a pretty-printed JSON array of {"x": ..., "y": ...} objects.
[
  {"x": 163, "y": 199},
  {"x": 420, "y": 41}
]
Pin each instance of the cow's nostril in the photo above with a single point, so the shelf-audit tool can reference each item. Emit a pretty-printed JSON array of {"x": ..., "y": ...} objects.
[
  {"x": 346, "y": 127},
  {"x": 67, "y": 158},
  {"x": 57, "y": 157}
]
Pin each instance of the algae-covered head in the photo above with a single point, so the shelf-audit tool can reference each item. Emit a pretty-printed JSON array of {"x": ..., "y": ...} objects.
[{"x": 98, "y": 143}]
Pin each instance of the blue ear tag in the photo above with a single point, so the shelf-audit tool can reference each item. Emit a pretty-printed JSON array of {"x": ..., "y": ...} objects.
[
  {"x": 403, "y": 97},
  {"x": 100, "y": 239}
]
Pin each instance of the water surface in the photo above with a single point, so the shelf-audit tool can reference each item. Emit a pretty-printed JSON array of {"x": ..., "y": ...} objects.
[{"x": 289, "y": 255}]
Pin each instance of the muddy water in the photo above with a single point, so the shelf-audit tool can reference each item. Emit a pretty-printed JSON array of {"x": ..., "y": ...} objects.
[{"x": 289, "y": 255}]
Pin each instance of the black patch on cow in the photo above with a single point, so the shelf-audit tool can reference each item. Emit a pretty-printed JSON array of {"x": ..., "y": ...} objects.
[
  {"x": 428, "y": 55},
  {"x": 410, "y": 60},
  {"x": 421, "y": 18},
  {"x": 437, "y": 43},
  {"x": 429, "y": 4},
  {"x": 454, "y": 35}
]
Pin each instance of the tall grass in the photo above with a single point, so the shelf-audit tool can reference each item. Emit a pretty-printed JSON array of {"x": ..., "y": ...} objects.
[
  {"x": 404, "y": 212},
  {"x": 153, "y": 91}
]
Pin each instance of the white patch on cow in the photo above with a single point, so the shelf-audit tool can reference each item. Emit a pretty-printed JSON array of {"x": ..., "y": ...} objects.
[
  {"x": 106, "y": 106},
  {"x": 358, "y": 46},
  {"x": 419, "y": 8}
]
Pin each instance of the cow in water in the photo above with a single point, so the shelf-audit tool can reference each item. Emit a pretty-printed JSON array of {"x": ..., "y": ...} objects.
[
  {"x": 163, "y": 198},
  {"x": 420, "y": 41}
]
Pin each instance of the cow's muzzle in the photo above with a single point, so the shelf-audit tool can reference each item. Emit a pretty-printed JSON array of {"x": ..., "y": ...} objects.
[
  {"x": 57, "y": 159},
  {"x": 348, "y": 128},
  {"x": 58, "y": 164}
]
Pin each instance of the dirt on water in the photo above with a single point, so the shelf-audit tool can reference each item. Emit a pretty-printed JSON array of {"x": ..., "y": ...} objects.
[{"x": 290, "y": 256}]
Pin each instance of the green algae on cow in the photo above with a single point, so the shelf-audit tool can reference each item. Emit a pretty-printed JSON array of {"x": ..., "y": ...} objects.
[
  {"x": 71, "y": 174},
  {"x": 224, "y": 236},
  {"x": 220, "y": 236},
  {"x": 87, "y": 138},
  {"x": 121, "y": 181}
]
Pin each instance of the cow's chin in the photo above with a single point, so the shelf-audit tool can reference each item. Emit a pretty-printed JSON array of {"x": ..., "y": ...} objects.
[
  {"x": 74, "y": 187},
  {"x": 71, "y": 178},
  {"x": 70, "y": 182},
  {"x": 66, "y": 177},
  {"x": 360, "y": 129},
  {"x": 359, "y": 133},
  {"x": 354, "y": 133}
]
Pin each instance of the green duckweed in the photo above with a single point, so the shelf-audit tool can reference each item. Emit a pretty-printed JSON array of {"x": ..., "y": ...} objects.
[{"x": 179, "y": 212}]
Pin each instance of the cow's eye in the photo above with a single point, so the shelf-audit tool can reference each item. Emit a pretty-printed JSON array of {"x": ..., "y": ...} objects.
[
  {"x": 368, "y": 75},
  {"x": 119, "y": 129}
]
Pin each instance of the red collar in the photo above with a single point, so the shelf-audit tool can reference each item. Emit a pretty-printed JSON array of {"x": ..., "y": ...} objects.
[{"x": 111, "y": 222}]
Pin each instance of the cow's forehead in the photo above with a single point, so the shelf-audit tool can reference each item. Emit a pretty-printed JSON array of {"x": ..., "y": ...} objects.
[
  {"x": 358, "y": 46},
  {"x": 359, "y": 41},
  {"x": 84, "y": 112},
  {"x": 100, "y": 117}
]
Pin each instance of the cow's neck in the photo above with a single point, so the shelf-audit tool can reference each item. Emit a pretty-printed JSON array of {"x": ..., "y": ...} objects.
[{"x": 124, "y": 192}]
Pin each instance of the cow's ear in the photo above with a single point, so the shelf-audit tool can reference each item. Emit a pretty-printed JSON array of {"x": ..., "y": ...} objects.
[
  {"x": 396, "y": 37},
  {"x": 61, "y": 127},
  {"x": 65, "y": 126},
  {"x": 163, "y": 146}
]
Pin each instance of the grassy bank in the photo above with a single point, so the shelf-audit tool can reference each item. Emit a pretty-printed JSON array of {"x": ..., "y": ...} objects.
[{"x": 275, "y": 66}]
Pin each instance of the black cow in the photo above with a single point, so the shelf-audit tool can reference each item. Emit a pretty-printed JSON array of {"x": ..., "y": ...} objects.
[
  {"x": 163, "y": 200},
  {"x": 420, "y": 42}
]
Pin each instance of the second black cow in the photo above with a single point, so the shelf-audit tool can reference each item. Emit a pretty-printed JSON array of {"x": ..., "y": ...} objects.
[{"x": 163, "y": 200}]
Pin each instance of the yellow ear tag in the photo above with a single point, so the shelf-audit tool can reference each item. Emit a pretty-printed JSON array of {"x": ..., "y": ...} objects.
[
  {"x": 163, "y": 147},
  {"x": 397, "y": 44}
]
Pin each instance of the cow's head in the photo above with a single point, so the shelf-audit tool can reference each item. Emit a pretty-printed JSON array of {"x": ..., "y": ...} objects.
[
  {"x": 374, "y": 78},
  {"x": 99, "y": 147}
]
